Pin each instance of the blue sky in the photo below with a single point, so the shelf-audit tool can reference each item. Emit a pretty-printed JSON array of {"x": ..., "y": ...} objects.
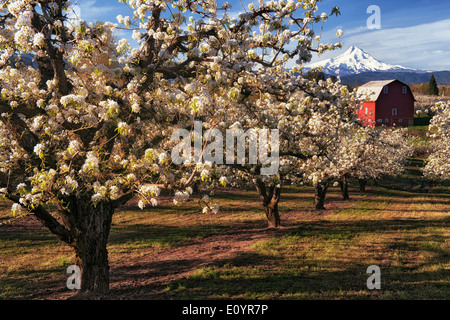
[{"x": 414, "y": 33}]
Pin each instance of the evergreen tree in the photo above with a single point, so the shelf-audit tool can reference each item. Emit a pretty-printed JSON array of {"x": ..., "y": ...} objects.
[{"x": 433, "y": 88}]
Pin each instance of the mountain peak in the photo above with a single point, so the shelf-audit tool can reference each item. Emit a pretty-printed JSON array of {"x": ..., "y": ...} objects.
[
  {"x": 353, "y": 49},
  {"x": 353, "y": 61}
]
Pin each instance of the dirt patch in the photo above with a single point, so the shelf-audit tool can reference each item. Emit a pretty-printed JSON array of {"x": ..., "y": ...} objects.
[{"x": 146, "y": 278}]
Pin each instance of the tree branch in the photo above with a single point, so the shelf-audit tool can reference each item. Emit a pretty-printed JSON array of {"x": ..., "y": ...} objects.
[
  {"x": 47, "y": 221},
  {"x": 123, "y": 199},
  {"x": 19, "y": 129}
]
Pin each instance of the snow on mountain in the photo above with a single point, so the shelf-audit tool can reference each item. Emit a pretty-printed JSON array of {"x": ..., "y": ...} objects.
[{"x": 354, "y": 61}]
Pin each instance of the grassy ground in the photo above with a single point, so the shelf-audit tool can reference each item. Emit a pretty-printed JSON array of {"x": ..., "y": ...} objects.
[
  {"x": 399, "y": 225},
  {"x": 408, "y": 238}
]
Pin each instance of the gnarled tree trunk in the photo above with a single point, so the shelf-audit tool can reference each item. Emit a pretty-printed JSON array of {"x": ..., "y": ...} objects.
[
  {"x": 320, "y": 193},
  {"x": 272, "y": 215},
  {"x": 270, "y": 198},
  {"x": 85, "y": 228},
  {"x": 91, "y": 226}
]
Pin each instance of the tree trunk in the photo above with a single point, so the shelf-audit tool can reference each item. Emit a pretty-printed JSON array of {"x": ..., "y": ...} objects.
[
  {"x": 320, "y": 193},
  {"x": 344, "y": 187},
  {"x": 362, "y": 185},
  {"x": 270, "y": 198},
  {"x": 272, "y": 215},
  {"x": 92, "y": 227}
]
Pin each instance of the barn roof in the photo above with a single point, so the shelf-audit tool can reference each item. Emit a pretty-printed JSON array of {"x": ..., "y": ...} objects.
[{"x": 373, "y": 89}]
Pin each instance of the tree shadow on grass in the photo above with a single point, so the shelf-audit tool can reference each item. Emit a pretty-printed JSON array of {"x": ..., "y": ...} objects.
[
  {"x": 350, "y": 283},
  {"x": 34, "y": 284},
  {"x": 262, "y": 276},
  {"x": 160, "y": 234},
  {"x": 398, "y": 192}
]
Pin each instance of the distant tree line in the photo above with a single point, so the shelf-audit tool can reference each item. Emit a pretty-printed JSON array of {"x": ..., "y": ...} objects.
[{"x": 431, "y": 88}]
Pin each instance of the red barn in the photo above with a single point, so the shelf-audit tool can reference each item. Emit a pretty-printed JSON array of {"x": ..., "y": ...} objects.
[{"x": 389, "y": 102}]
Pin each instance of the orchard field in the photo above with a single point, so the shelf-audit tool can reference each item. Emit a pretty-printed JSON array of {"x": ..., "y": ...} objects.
[{"x": 169, "y": 252}]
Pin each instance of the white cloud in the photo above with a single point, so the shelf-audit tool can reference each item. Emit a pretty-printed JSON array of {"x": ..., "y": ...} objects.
[{"x": 356, "y": 30}]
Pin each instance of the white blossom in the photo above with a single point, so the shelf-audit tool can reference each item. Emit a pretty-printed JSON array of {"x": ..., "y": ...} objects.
[
  {"x": 39, "y": 149},
  {"x": 39, "y": 40},
  {"x": 16, "y": 209}
]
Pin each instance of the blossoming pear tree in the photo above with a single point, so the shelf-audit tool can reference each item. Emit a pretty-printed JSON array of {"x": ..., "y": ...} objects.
[
  {"x": 438, "y": 164},
  {"x": 326, "y": 124},
  {"x": 248, "y": 89},
  {"x": 82, "y": 131},
  {"x": 373, "y": 153},
  {"x": 88, "y": 126},
  {"x": 284, "y": 102},
  {"x": 301, "y": 111}
]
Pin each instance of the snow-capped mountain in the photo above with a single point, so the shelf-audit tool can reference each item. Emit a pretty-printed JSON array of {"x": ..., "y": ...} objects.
[{"x": 355, "y": 61}]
